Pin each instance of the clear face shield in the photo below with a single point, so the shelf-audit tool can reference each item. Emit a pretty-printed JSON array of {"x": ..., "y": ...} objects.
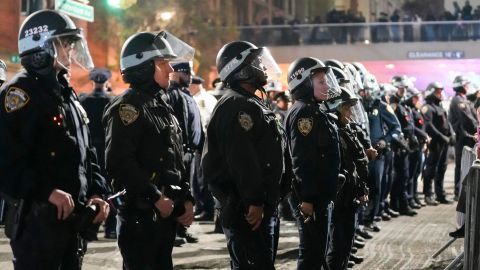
[
  {"x": 264, "y": 61},
  {"x": 72, "y": 48},
  {"x": 173, "y": 48}
]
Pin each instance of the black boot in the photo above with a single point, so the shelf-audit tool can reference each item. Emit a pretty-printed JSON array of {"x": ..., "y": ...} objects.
[{"x": 459, "y": 233}]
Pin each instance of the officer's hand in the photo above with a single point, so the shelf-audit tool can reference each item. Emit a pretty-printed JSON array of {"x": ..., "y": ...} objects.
[
  {"x": 63, "y": 201},
  {"x": 381, "y": 144},
  {"x": 103, "y": 207},
  {"x": 371, "y": 153},
  {"x": 165, "y": 206},
  {"x": 254, "y": 216},
  {"x": 306, "y": 208},
  {"x": 187, "y": 218},
  {"x": 446, "y": 139}
]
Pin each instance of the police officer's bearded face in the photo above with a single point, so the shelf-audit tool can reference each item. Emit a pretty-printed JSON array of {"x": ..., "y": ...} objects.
[
  {"x": 401, "y": 91},
  {"x": 162, "y": 71},
  {"x": 320, "y": 86}
]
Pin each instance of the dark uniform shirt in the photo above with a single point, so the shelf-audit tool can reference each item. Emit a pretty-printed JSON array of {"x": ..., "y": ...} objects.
[
  {"x": 354, "y": 167},
  {"x": 45, "y": 141},
  {"x": 187, "y": 113},
  {"x": 94, "y": 104},
  {"x": 419, "y": 123},
  {"x": 314, "y": 143},
  {"x": 436, "y": 121},
  {"x": 143, "y": 144},
  {"x": 404, "y": 116},
  {"x": 244, "y": 150},
  {"x": 463, "y": 119},
  {"x": 384, "y": 124}
]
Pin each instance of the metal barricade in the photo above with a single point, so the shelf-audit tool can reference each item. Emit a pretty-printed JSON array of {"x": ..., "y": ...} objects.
[{"x": 472, "y": 219}]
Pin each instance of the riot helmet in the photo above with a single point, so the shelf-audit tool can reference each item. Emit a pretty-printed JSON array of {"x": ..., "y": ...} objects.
[
  {"x": 334, "y": 63},
  {"x": 342, "y": 78},
  {"x": 361, "y": 70},
  {"x": 243, "y": 62},
  {"x": 47, "y": 37},
  {"x": 461, "y": 84},
  {"x": 355, "y": 78},
  {"x": 301, "y": 73},
  {"x": 140, "y": 50},
  {"x": 346, "y": 98},
  {"x": 431, "y": 90}
]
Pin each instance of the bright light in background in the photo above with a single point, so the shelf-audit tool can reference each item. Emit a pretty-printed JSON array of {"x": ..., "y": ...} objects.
[
  {"x": 114, "y": 3},
  {"x": 166, "y": 15},
  {"x": 442, "y": 65},
  {"x": 367, "y": 41},
  {"x": 390, "y": 66}
]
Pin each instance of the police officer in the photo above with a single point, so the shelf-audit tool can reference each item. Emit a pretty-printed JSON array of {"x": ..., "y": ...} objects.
[
  {"x": 187, "y": 112},
  {"x": 462, "y": 117},
  {"x": 3, "y": 72},
  {"x": 402, "y": 148},
  {"x": 384, "y": 126},
  {"x": 441, "y": 132},
  {"x": 94, "y": 104},
  {"x": 314, "y": 142},
  {"x": 204, "y": 208},
  {"x": 144, "y": 153},
  {"x": 352, "y": 190},
  {"x": 49, "y": 170},
  {"x": 417, "y": 157},
  {"x": 243, "y": 157},
  {"x": 282, "y": 103}
]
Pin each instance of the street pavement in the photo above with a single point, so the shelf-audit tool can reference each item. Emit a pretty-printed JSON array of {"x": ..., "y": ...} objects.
[{"x": 403, "y": 243}]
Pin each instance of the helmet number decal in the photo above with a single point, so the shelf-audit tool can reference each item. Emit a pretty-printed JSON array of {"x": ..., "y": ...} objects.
[{"x": 36, "y": 30}]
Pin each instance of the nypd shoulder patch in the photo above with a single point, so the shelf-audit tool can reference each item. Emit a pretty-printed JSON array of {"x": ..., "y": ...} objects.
[
  {"x": 245, "y": 121},
  {"x": 128, "y": 113},
  {"x": 15, "y": 99}
]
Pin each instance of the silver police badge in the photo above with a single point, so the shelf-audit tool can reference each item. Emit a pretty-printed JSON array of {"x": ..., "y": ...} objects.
[
  {"x": 245, "y": 121},
  {"x": 128, "y": 114},
  {"x": 305, "y": 125},
  {"x": 15, "y": 99}
]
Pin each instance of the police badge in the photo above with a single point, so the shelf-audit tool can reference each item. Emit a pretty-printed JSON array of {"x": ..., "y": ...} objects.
[
  {"x": 305, "y": 125},
  {"x": 15, "y": 99},
  {"x": 128, "y": 114},
  {"x": 245, "y": 121}
]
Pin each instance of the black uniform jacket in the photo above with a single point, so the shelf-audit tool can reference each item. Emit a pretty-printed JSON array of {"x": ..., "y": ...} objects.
[
  {"x": 314, "y": 142},
  {"x": 143, "y": 144},
  {"x": 244, "y": 150},
  {"x": 45, "y": 141}
]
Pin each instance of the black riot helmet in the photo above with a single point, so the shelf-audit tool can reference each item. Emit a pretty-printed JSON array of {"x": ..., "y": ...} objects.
[
  {"x": 346, "y": 98},
  {"x": 334, "y": 63},
  {"x": 300, "y": 73},
  {"x": 342, "y": 78},
  {"x": 243, "y": 62},
  {"x": 3, "y": 72},
  {"x": 460, "y": 84},
  {"x": 139, "y": 51},
  {"x": 47, "y": 34}
]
